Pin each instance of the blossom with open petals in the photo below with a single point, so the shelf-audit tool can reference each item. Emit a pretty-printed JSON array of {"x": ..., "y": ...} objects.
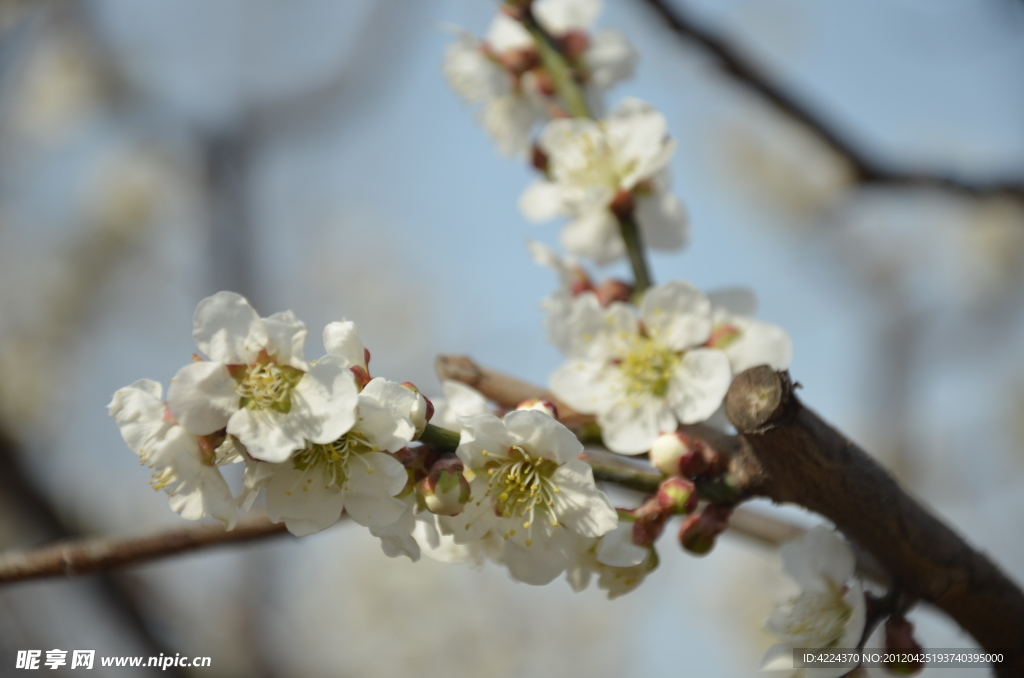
[
  {"x": 747, "y": 342},
  {"x": 599, "y": 170},
  {"x": 256, "y": 383},
  {"x": 528, "y": 487},
  {"x": 492, "y": 74},
  {"x": 184, "y": 465},
  {"x": 830, "y": 610},
  {"x": 619, "y": 564},
  {"x": 355, "y": 472},
  {"x": 643, "y": 376}
]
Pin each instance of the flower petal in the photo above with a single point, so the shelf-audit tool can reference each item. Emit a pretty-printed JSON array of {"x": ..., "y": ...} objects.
[
  {"x": 617, "y": 549},
  {"x": 324, "y": 403},
  {"x": 373, "y": 481},
  {"x": 542, "y": 561},
  {"x": 541, "y": 435},
  {"x": 266, "y": 434},
  {"x": 306, "y": 500},
  {"x": 202, "y": 397},
  {"x": 459, "y": 400},
  {"x": 630, "y": 427},
  {"x": 579, "y": 505},
  {"x": 476, "y": 519},
  {"x": 820, "y": 561},
  {"x": 594, "y": 234},
  {"x": 385, "y": 428},
  {"x": 227, "y": 329},
  {"x": 699, "y": 384},
  {"x": 482, "y": 433},
  {"x": 341, "y": 339},
  {"x": 677, "y": 314},
  {"x": 396, "y": 539},
  {"x": 286, "y": 336},
  {"x": 561, "y": 16},
  {"x": 139, "y": 414},
  {"x": 760, "y": 343},
  {"x": 663, "y": 222},
  {"x": 541, "y": 201}
]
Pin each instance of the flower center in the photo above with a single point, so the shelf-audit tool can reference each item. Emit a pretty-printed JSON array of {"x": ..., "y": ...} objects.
[
  {"x": 521, "y": 486},
  {"x": 266, "y": 385},
  {"x": 334, "y": 458},
  {"x": 594, "y": 164},
  {"x": 648, "y": 367},
  {"x": 817, "y": 618}
]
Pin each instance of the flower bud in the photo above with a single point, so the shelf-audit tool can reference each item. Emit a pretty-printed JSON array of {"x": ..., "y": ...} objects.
[
  {"x": 539, "y": 159},
  {"x": 574, "y": 43},
  {"x": 700, "y": 530},
  {"x": 677, "y": 495},
  {"x": 611, "y": 290},
  {"x": 445, "y": 490},
  {"x": 361, "y": 375},
  {"x": 722, "y": 336},
  {"x": 622, "y": 204},
  {"x": 667, "y": 450},
  {"x": 545, "y": 406},
  {"x": 423, "y": 411},
  {"x": 545, "y": 83},
  {"x": 899, "y": 640}
]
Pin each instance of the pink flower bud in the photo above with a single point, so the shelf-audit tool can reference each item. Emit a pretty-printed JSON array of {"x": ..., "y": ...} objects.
[
  {"x": 545, "y": 406},
  {"x": 667, "y": 450},
  {"x": 366, "y": 359},
  {"x": 611, "y": 290},
  {"x": 700, "y": 530},
  {"x": 677, "y": 495},
  {"x": 575, "y": 43},
  {"x": 445, "y": 490},
  {"x": 361, "y": 375},
  {"x": 539, "y": 159},
  {"x": 622, "y": 204},
  {"x": 422, "y": 411},
  {"x": 722, "y": 336},
  {"x": 899, "y": 640}
]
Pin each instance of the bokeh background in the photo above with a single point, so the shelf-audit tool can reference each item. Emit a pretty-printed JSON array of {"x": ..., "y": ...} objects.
[{"x": 309, "y": 155}]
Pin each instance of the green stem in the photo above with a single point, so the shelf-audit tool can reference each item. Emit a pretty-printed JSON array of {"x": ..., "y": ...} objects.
[
  {"x": 635, "y": 249},
  {"x": 439, "y": 437},
  {"x": 568, "y": 89}
]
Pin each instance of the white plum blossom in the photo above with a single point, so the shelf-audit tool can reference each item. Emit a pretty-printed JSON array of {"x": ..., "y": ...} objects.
[
  {"x": 459, "y": 400},
  {"x": 619, "y": 564},
  {"x": 528, "y": 487},
  {"x": 482, "y": 73},
  {"x": 829, "y": 612},
  {"x": 354, "y": 472},
  {"x": 594, "y": 166},
  {"x": 746, "y": 341},
  {"x": 604, "y": 57},
  {"x": 256, "y": 383},
  {"x": 503, "y": 75},
  {"x": 184, "y": 466},
  {"x": 557, "y": 307},
  {"x": 642, "y": 376}
]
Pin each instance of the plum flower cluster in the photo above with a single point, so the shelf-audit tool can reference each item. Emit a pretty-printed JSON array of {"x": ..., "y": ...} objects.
[
  {"x": 321, "y": 438},
  {"x": 541, "y": 66}
]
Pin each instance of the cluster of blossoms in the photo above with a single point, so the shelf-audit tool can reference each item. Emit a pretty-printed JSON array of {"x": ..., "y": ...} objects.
[{"x": 324, "y": 438}]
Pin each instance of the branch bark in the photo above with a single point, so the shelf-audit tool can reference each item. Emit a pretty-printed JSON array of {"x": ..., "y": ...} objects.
[
  {"x": 104, "y": 553},
  {"x": 786, "y": 453},
  {"x": 867, "y": 171},
  {"x": 807, "y": 462}
]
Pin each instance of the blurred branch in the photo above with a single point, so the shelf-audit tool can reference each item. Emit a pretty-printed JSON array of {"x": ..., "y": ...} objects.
[
  {"x": 103, "y": 553},
  {"x": 20, "y": 493},
  {"x": 867, "y": 171}
]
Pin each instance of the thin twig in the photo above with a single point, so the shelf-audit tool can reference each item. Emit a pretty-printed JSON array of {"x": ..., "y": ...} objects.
[
  {"x": 104, "y": 553},
  {"x": 867, "y": 171}
]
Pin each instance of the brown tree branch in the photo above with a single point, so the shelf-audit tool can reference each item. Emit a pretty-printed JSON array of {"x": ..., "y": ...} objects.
[
  {"x": 807, "y": 462},
  {"x": 104, "y": 553},
  {"x": 788, "y": 454},
  {"x": 867, "y": 171}
]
